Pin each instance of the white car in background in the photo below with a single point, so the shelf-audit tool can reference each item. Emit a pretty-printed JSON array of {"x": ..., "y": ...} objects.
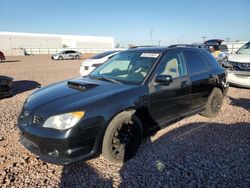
[
  {"x": 90, "y": 64},
  {"x": 67, "y": 54},
  {"x": 238, "y": 66}
]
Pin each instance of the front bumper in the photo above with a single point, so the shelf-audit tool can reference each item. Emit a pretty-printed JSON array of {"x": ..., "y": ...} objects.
[
  {"x": 239, "y": 78},
  {"x": 54, "y": 57},
  {"x": 60, "y": 147}
]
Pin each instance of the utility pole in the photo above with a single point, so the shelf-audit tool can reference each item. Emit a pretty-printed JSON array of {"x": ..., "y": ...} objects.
[
  {"x": 204, "y": 38},
  {"x": 228, "y": 39},
  {"x": 159, "y": 42},
  {"x": 151, "y": 35}
]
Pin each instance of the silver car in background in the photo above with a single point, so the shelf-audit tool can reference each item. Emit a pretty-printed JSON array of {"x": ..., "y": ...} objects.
[
  {"x": 238, "y": 67},
  {"x": 67, "y": 54}
]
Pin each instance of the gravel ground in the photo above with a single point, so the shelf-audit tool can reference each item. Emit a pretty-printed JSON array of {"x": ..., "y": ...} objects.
[{"x": 195, "y": 152}]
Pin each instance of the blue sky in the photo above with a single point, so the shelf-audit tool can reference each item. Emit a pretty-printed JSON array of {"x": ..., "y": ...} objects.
[{"x": 130, "y": 21}]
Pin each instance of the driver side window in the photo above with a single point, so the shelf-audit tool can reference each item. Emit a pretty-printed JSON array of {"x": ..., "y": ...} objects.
[{"x": 173, "y": 65}]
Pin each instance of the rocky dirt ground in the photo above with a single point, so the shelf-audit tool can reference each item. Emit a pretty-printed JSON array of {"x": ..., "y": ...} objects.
[{"x": 195, "y": 152}]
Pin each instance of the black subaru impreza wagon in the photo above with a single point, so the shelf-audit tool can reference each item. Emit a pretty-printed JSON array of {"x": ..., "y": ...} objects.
[{"x": 109, "y": 111}]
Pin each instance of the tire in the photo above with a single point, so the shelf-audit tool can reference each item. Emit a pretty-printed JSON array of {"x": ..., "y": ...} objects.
[
  {"x": 214, "y": 104},
  {"x": 122, "y": 137},
  {"x": 60, "y": 58},
  {"x": 77, "y": 57}
]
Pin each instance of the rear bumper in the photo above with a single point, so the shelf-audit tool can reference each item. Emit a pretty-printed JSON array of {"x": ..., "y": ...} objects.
[
  {"x": 239, "y": 78},
  {"x": 60, "y": 147}
]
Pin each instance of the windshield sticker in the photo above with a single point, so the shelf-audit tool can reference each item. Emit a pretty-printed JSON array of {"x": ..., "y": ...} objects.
[{"x": 152, "y": 55}]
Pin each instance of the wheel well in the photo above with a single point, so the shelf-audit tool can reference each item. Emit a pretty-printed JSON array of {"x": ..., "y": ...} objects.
[{"x": 145, "y": 118}]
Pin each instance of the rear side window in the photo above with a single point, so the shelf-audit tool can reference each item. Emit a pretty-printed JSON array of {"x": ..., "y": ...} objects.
[
  {"x": 195, "y": 62},
  {"x": 210, "y": 59}
]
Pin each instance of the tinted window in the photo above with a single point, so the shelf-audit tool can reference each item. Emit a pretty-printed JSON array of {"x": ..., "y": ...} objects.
[
  {"x": 172, "y": 65},
  {"x": 212, "y": 62},
  {"x": 101, "y": 55},
  {"x": 210, "y": 59},
  {"x": 195, "y": 62}
]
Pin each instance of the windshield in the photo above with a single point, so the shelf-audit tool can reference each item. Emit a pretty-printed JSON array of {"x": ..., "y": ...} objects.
[
  {"x": 127, "y": 67},
  {"x": 101, "y": 55},
  {"x": 245, "y": 49}
]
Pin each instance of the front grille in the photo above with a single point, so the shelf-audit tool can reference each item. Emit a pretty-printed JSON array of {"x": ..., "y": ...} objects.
[
  {"x": 86, "y": 68},
  {"x": 242, "y": 66}
]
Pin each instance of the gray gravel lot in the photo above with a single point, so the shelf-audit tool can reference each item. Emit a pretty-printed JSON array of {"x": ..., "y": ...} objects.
[{"x": 195, "y": 152}]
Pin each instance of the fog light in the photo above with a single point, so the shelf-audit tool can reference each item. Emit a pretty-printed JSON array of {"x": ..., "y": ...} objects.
[{"x": 54, "y": 153}]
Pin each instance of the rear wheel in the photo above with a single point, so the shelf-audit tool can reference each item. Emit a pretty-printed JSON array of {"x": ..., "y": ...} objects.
[
  {"x": 214, "y": 104},
  {"x": 122, "y": 138}
]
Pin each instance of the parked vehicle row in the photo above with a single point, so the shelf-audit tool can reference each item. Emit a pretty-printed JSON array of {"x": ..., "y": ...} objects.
[{"x": 108, "y": 111}]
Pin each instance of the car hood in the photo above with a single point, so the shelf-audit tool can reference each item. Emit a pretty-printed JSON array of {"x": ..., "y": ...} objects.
[
  {"x": 71, "y": 95},
  {"x": 241, "y": 58}
]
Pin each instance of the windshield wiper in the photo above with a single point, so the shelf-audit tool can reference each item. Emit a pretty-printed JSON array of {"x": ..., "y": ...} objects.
[{"x": 105, "y": 79}]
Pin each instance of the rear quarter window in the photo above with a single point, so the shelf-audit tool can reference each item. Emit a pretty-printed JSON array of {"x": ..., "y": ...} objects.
[
  {"x": 210, "y": 59},
  {"x": 195, "y": 62}
]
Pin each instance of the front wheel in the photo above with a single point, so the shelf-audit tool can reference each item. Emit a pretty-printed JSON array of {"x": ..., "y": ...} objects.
[
  {"x": 122, "y": 137},
  {"x": 77, "y": 57},
  {"x": 214, "y": 104},
  {"x": 60, "y": 58}
]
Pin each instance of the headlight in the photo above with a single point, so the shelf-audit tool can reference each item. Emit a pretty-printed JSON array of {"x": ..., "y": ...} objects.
[{"x": 63, "y": 121}]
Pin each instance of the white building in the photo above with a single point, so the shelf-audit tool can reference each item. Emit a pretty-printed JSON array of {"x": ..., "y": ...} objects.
[{"x": 10, "y": 42}]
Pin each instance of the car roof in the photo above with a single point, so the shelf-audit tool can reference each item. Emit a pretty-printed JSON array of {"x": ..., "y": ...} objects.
[
  {"x": 147, "y": 49},
  {"x": 161, "y": 49}
]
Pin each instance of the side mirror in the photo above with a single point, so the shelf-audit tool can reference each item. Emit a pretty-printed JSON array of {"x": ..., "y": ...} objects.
[{"x": 164, "y": 79}]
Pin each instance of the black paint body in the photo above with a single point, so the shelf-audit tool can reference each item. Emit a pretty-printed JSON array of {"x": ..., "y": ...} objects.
[{"x": 155, "y": 104}]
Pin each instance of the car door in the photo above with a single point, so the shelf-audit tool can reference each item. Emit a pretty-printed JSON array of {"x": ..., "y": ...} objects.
[
  {"x": 201, "y": 77},
  {"x": 66, "y": 54},
  {"x": 167, "y": 102},
  {"x": 72, "y": 54}
]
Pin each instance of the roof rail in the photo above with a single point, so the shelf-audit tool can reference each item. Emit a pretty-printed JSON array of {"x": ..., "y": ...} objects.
[
  {"x": 186, "y": 45},
  {"x": 145, "y": 46}
]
